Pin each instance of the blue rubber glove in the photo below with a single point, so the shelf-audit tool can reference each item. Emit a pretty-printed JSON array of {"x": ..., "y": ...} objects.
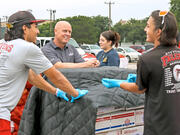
[
  {"x": 61, "y": 94},
  {"x": 81, "y": 94},
  {"x": 131, "y": 78},
  {"x": 111, "y": 83}
]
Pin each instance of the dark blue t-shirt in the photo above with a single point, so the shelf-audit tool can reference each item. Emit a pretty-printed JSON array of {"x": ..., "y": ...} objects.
[{"x": 110, "y": 58}]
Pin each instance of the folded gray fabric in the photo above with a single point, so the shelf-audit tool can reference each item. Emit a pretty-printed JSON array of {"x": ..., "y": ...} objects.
[{"x": 45, "y": 114}]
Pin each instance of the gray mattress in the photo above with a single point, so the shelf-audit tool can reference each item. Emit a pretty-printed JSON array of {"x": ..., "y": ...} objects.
[{"x": 45, "y": 114}]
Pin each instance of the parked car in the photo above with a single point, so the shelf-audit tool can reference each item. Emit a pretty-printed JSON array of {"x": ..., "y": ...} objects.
[
  {"x": 91, "y": 48},
  {"x": 76, "y": 45},
  {"x": 131, "y": 54},
  {"x": 139, "y": 48},
  {"x": 147, "y": 47},
  {"x": 41, "y": 41}
]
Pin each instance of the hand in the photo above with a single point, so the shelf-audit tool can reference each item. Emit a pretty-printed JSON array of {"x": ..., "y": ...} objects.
[
  {"x": 111, "y": 83},
  {"x": 97, "y": 63},
  {"x": 131, "y": 78},
  {"x": 61, "y": 94},
  {"x": 92, "y": 63},
  {"x": 81, "y": 94}
]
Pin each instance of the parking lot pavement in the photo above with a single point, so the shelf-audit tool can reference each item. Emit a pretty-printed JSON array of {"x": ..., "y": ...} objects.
[{"x": 132, "y": 65}]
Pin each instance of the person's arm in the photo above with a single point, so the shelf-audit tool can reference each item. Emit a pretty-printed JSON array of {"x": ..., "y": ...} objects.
[
  {"x": 87, "y": 64},
  {"x": 59, "y": 80},
  {"x": 132, "y": 87},
  {"x": 39, "y": 82},
  {"x": 56, "y": 78},
  {"x": 36, "y": 61}
]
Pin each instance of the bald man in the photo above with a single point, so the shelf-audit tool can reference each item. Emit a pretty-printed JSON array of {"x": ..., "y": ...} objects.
[{"x": 63, "y": 55}]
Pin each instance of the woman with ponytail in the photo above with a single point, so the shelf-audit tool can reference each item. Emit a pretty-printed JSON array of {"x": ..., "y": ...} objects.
[{"x": 108, "y": 56}]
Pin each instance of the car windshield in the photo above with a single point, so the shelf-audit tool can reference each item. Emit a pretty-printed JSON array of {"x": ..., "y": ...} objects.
[
  {"x": 148, "y": 46},
  {"x": 95, "y": 47},
  {"x": 73, "y": 42},
  {"x": 129, "y": 50},
  {"x": 140, "y": 47}
]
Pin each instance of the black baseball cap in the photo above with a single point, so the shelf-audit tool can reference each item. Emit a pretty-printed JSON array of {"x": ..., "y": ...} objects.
[{"x": 22, "y": 17}]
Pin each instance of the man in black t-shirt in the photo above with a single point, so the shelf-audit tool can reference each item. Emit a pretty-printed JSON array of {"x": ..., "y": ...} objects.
[{"x": 158, "y": 75}]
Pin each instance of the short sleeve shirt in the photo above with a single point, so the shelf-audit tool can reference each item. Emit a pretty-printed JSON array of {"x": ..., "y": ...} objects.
[
  {"x": 159, "y": 72},
  {"x": 56, "y": 54},
  {"x": 110, "y": 58},
  {"x": 16, "y": 58}
]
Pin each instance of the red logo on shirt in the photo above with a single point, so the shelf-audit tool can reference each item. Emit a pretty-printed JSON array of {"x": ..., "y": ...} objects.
[
  {"x": 5, "y": 47},
  {"x": 170, "y": 58}
]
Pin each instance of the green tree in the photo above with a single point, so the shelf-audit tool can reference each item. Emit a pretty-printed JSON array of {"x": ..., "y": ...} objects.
[
  {"x": 83, "y": 29},
  {"x": 87, "y": 29},
  {"x": 101, "y": 24},
  {"x": 122, "y": 29},
  {"x": 132, "y": 30},
  {"x": 175, "y": 8},
  {"x": 45, "y": 30}
]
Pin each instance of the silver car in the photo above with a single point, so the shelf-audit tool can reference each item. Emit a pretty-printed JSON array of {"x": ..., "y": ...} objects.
[
  {"x": 131, "y": 54},
  {"x": 91, "y": 48}
]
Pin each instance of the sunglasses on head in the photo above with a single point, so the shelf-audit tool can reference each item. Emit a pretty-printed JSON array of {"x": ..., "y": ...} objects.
[{"x": 163, "y": 14}]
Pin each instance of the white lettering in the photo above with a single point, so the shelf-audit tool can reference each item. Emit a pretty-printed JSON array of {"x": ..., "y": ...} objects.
[{"x": 170, "y": 91}]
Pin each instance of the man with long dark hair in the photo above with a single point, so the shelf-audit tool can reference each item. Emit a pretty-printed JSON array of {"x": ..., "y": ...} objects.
[{"x": 21, "y": 60}]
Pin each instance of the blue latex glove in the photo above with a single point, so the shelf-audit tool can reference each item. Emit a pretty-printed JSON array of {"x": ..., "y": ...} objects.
[
  {"x": 111, "y": 83},
  {"x": 131, "y": 78},
  {"x": 61, "y": 94},
  {"x": 81, "y": 94}
]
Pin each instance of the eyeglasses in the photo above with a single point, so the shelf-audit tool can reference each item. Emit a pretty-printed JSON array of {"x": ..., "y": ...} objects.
[{"x": 163, "y": 14}]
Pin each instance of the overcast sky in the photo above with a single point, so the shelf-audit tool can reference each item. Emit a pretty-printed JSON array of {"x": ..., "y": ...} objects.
[{"x": 121, "y": 9}]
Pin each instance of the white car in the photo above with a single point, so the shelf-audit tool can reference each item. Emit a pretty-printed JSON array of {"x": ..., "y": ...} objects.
[
  {"x": 84, "y": 55},
  {"x": 41, "y": 41},
  {"x": 131, "y": 54},
  {"x": 91, "y": 48},
  {"x": 76, "y": 45}
]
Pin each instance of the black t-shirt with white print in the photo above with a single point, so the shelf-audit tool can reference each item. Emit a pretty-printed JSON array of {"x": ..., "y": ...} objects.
[{"x": 159, "y": 72}]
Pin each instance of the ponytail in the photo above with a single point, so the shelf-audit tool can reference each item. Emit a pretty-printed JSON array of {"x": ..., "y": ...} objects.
[
  {"x": 112, "y": 36},
  {"x": 117, "y": 38}
]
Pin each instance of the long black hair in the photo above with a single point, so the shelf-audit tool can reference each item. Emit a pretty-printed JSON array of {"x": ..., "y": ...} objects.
[
  {"x": 15, "y": 32},
  {"x": 168, "y": 27}
]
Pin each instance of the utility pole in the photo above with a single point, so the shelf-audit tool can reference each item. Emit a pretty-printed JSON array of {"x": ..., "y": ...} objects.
[
  {"x": 50, "y": 24},
  {"x": 109, "y": 3},
  {"x": 54, "y": 12}
]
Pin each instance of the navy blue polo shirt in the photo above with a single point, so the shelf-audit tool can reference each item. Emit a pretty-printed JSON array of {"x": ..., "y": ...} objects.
[
  {"x": 110, "y": 58},
  {"x": 67, "y": 54}
]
